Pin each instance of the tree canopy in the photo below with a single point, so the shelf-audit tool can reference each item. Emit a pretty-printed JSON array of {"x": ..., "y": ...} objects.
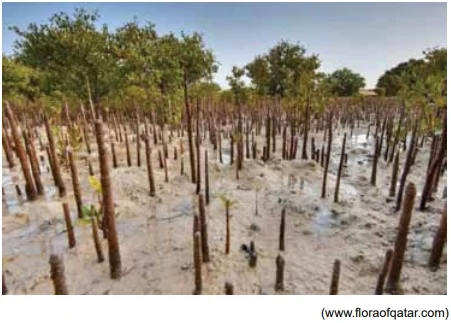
[
  {"x": 422, "y": 77},
  {"x": 282, "y": 70},
  {"x": 70, "y": 53},
  {"x": 344, "y": 82},
  {"x": 136, "y": 66}
]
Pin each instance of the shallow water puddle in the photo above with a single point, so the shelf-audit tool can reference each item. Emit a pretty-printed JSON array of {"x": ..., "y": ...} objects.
[
  {"x": 361, "y": 140},
  {"x": 35, "y": 239},
  {"x": 13, "y": 205},
  {"x": 225, "y": 158},
  {"x": 419, "y": 248},
  {"x": 297, "y": 185},
  {"x": 181, "y": 209},
  {"x": 7, "y": 180},
  {"x": 10, "y": 198},
  {"x": 364, "y": 162},
  {"x": 322, "y": 220},
  {"x": 50, "y": 192}
]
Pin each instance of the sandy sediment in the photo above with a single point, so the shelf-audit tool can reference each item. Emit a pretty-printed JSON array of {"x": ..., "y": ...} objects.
[{"x": 155, "y": 233}]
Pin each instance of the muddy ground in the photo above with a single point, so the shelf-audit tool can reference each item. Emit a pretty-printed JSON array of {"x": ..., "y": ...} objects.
[{"x": 155, "y": 233}]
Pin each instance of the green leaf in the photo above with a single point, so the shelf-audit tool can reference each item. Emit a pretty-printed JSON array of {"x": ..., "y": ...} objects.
[
  {"x": 84, "y": 221},
  {"x": 223, "y": 199},
  {"x": 86, "y": 211},
  {"x": 95, "y": 184}
]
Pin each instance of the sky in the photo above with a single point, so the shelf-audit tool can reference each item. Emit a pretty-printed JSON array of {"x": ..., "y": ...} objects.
[{"x": 368, "y": 38}]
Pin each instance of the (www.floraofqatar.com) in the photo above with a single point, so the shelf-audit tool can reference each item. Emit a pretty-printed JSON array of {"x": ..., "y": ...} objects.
[{"x": 385, "y": 313}]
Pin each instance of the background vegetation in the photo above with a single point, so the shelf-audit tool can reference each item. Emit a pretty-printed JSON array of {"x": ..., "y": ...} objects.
[{"x": 134, "y": 66}]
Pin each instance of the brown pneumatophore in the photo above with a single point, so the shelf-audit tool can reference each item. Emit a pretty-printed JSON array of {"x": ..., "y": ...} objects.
[
  {"x": 7, "y": 149},
  {"x": 56, "y": 164},
  {"x": 228, "y": 288},
  {"x": 4, "y": 288},
  {"x": 340, "y": 169},
  {"x": 149, "y": 168},
  {"x": 282, "y": 231},
  {"x": 197, "y": 257},
  {"x": 326, "y": 167},
  {"x": 165, "y": 164},
  {"x": 69, "y": 226},
  {"x": 394, "y": 176},
  {"x": 96, "y": 239},
  {"x": 383, "y": 274},
  {"x": 30, "y": 188},
  {"x": 252, "y": 255},
  {"x": 439, "y": 242},
  {"x": 394, "y": 272},
  {"x": 76, "y": 184},
  {"x": 406, "y": 169},
  {"x": 227, "y": 246},
  {"x": 335, "y": 278},
  {"x": 113, "y": 153},
  {"x": 34, "y": 162},
  {"x": 108, "y": 206},
  {"x": 127, "y": 147},
  {"x": 434, "y": 168},
  {"x": 203, "y": 229},
  {"x": 375, "y": 160},
  {"x": 207, "y": 180},
  {"x": 280, "y": 264},
  {"x": 57, "y": 275}
]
